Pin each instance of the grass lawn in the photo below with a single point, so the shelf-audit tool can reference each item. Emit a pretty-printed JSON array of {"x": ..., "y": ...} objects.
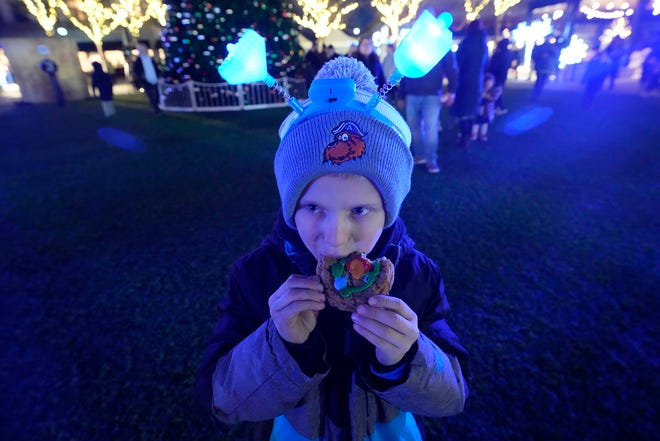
[{"x": 116, "y": 236}]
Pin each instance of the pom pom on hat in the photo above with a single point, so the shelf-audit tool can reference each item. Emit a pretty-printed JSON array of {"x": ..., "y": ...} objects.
[
  {"x": 348, "y": 67},
  {"x": 344, "y": 131}
]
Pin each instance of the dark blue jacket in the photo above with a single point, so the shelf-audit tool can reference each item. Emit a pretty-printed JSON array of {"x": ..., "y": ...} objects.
[
  {"x": 432, "y": 82},
  {"x": 332, "y": 368},
  {"x": 471, "y": 58}
]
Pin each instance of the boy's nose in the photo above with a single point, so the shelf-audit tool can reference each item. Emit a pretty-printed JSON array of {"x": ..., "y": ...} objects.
[{"x": 335, "y": 231}]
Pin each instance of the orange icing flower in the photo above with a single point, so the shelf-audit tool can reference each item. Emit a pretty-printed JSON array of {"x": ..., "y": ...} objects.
[{"x": 359, "y": 266}]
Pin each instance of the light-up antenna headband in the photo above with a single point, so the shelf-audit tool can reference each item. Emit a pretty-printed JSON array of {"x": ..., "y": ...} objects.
[{"x": 423, "y": 47}]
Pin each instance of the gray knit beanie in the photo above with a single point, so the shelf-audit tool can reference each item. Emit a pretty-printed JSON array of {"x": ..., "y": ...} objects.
[{"x": 345, "y": 128}]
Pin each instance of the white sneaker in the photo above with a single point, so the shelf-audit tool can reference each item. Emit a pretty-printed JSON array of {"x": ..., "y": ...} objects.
[
  {"x": 433, "y": 168},
  {"x": 420, "y": 161}
]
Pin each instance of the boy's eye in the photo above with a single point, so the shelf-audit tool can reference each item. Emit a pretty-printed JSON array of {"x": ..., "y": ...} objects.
[
  {"x": 360, "y": 211},
  {"x": 311, "y": 208}
]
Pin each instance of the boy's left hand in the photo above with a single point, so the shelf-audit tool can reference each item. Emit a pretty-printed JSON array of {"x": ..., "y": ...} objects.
[{"x": 389, "y": 324}]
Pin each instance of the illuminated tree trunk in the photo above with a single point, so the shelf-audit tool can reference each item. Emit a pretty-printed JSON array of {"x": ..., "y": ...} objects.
[{"x": 99, "y": 49}]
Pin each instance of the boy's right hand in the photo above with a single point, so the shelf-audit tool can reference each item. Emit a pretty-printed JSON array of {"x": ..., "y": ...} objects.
[{"x": 295, "y": 306}]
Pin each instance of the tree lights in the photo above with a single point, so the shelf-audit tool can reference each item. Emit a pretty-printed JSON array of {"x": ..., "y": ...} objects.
[
  {"x": 45, "y": 13},
  {"x": 136, "y": 13},
  {"x": 501, "y": 6},
  {"x": 95, "y": 18},
  {"x": 396, "y": 13},
  {"x": 320, "y": 17},
  {"x": 610, "y": 11},
  {"x": 472, "y": 11}
]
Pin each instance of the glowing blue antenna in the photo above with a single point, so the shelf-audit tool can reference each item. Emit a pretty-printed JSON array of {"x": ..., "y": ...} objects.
[
  {"x": 422, "y": 48},
  {"x": 246, "y": 63}
]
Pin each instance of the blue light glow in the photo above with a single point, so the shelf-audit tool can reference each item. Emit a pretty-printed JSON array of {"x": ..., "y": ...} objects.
[
  {"x": 424, "y": 46},
  {"x": 524, "y": 120},
  {"x": 121, "y": 139},
  {"x": 246, "y": 60}
]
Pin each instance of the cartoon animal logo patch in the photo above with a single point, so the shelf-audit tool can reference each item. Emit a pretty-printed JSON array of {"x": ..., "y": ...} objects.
[{"x": 348, "y": 143}]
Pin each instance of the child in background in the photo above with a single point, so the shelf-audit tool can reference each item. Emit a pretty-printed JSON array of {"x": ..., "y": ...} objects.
[
  {"x": 103, "y": 82},
  {"x": 279, "y": 353},
  {"x": 486, "y": 114}
]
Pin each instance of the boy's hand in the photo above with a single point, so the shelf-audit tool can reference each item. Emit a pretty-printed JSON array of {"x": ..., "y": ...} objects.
[
  {"x": 389, "y": 324},
  {"x": 295, "y": 306}
]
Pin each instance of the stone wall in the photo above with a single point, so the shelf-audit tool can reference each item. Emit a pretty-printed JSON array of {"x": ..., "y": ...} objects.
[{"x": 25, "y": 58}]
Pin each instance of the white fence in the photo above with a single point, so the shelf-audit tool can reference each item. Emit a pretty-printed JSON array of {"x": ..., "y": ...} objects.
[{"x": 192, "y": 96}]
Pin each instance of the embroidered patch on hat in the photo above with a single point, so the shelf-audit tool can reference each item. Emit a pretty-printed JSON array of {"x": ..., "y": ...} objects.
[{"x": 348, "y": 143}]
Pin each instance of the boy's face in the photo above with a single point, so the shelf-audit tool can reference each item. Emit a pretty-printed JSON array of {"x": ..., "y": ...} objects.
[{"x": 340, "y": 214}]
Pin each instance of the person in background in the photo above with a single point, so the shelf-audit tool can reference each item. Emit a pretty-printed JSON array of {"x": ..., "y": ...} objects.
[
  {"x": 500, "y": 63},
  {"x": 280, "y": 354},
  {"x": 314, "y": 59},
  {"x": 650, "y": 80},
  {"x": 50, "y": 67},
  {"x": 146, "y": 76},
  {"x": 102, "y": 83},
  {"x": 598, "y": 69},
  {"x": 330, "y": 53},
  {"x": 423, "y": 102},
  {"x": 616, "y": 52},
  {"x": 388, "y": 60},
  {"x": 545, "y": 60},
  {"x": 471, "y": 58},
  {"x": 366, "y": 54},
  {"x": 491, "y": 94}
]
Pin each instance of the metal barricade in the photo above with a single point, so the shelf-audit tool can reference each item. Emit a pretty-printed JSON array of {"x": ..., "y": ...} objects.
[{"x": 193, "y": 96}]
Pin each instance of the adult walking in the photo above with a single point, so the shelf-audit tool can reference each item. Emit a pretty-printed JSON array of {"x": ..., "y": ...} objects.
[
  {"x": 146, "y": 75},
  {"x": 499, "y": 65},
  {"x": 366, "y": 54},
  {"x": 545, "y": 60},
  {"x": 423, "y": 100},
  {"x": 102, "y": 82},
  {"x": 471, "y": 58}
]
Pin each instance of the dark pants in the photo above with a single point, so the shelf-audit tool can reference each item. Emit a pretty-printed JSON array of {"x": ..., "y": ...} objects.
[
  {"x": 151, "y": 90},
  {"x": 539, "y": 85}
]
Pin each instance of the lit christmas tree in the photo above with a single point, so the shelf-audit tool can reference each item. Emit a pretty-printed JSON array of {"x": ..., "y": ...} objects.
[{"x": 197, "y": 33}]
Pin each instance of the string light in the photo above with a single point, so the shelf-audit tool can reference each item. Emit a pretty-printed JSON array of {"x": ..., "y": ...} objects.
[
  {"x": 45, "y": 13},
  {"x": 392, "y": 13},
  {"x": 471, "y": 11},
  {"x": 618, "y": 28},
  {"x": 95, "y": 20},
  {"x": 594, "y": 12},
  {"x": 158, "y": 10},
  {"x": 133, "y": 15},
  {"x": 501, "y": 6},
  {"x": 321, "y": 18},
  {"x": 136, "y": 13}
]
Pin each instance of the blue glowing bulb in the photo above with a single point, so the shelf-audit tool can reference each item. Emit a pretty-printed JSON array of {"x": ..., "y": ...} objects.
[
  {"x": 424, "y": 46},
  {"x": 246, "y": 60}
]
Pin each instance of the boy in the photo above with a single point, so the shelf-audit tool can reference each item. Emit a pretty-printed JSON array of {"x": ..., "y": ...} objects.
[{"x": 279, "y": 353}]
